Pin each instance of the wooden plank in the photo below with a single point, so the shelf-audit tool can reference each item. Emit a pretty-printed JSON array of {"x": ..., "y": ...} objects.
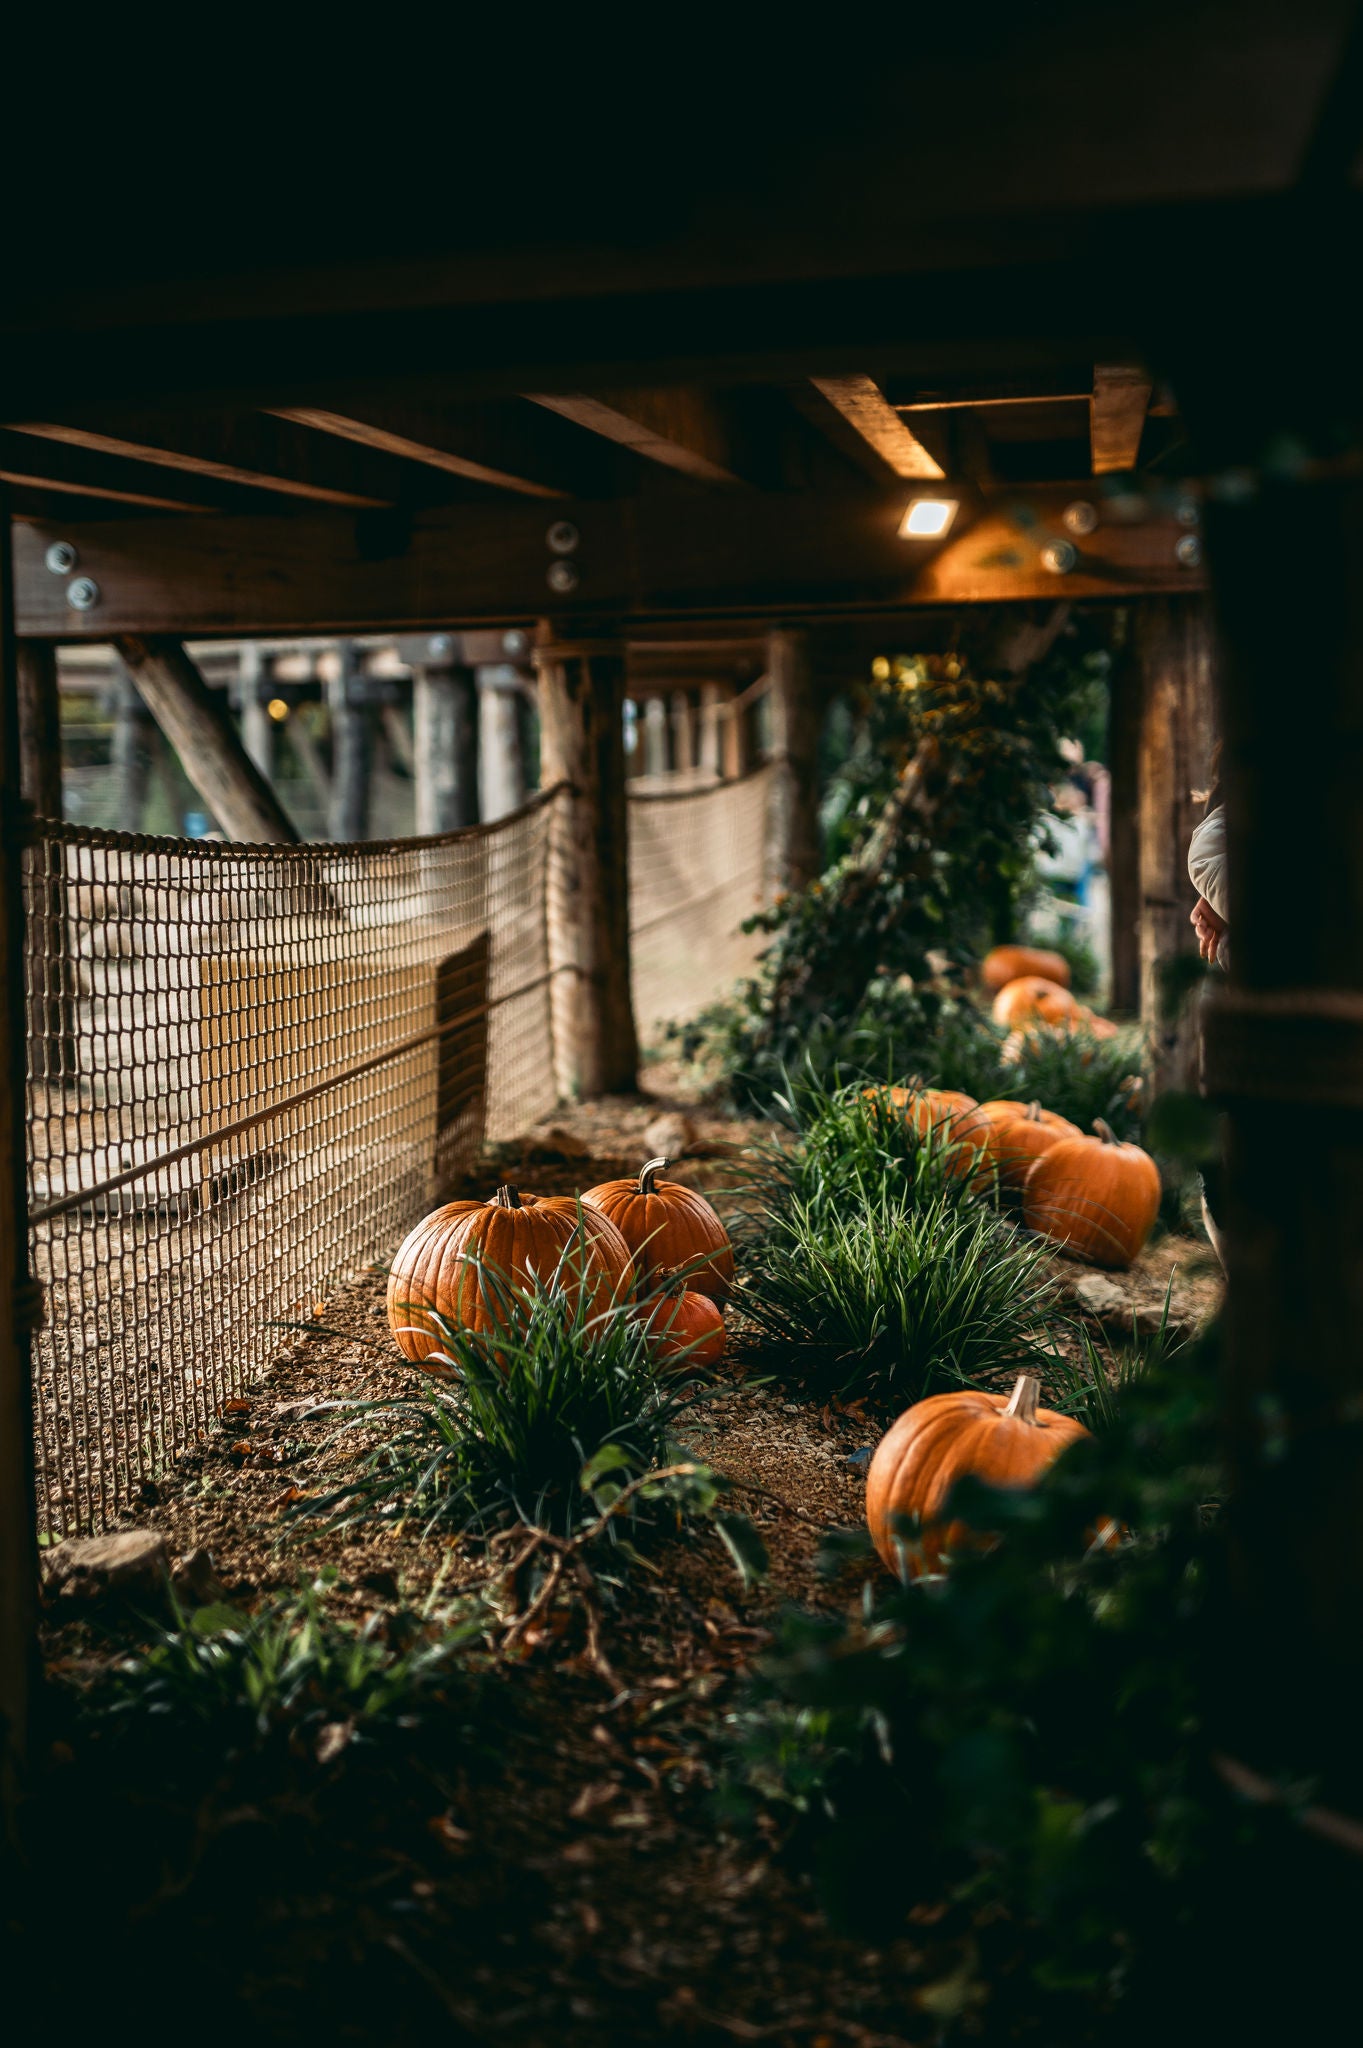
[
  {"x": 750, "y": 555},
  {"x": 196, "y": 722},
  {"x": 1117, "y": 410},
  {"x": 401, "y": 432},
  {"x": 31, "y": 464},
  {"x": 680, "y": 427},
  {"x": 793, "y": 844},
  {"x": 861, "y": 403},
  {"x": 250, "y": 449},
  {"x": 40, "y": 731}
]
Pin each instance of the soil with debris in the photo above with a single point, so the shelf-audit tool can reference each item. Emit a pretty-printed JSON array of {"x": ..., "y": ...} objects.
[{"x": 562, "y": 1871}]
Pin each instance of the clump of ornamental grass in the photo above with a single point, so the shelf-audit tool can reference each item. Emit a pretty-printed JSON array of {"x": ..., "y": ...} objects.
[
  {"x": 504, "y": 1424},
  {"x": 1080, "y": 1076},
  {"x": 889, "y": 1292}
]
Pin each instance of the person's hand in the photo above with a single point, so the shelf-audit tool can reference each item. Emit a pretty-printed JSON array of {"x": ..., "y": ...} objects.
[{"x": 1210, "y": 929}]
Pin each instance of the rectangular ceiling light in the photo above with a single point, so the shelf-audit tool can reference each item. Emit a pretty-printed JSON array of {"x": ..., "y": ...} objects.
[{"x": 927, "y": 518}]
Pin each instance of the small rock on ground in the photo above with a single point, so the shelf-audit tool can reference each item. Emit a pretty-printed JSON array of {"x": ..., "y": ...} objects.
[{"x": 131, "y": 1563}]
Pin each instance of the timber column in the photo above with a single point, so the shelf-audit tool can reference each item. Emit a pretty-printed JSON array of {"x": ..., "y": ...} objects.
[
  {"x": 793, "y": 851},
  {"x": 444, "y": 735},
  {"x": 582, "y": 709}
]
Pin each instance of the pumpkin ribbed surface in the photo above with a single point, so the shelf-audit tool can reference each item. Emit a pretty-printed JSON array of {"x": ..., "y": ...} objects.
[
  {"x": 948, "y": 1113},
  {"x": 522, "y": 1239},
  {"x": 1013, "y": 963},
  {"x": 1018, "y": 1133},
  {"x": 1004, "y": 1440},
  {"x": 1030, "y": 998},
  {"x": 686, "y": 1327},
  {"x": 1094, "y": 1196},
  {"x": 668, "y": 1229}
]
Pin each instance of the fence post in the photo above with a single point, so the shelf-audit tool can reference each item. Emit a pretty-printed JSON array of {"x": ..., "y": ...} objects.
[
  {"x": 711, "y": 697},
  {"x": 582, "y": 699},
  {"x": 501, "y": 766},
  {"x": 444, "y": 738},
  {"x": 40, "y": 729},
  {"x": 793, "y": 851},
  {"x": 352, "y": 747},
  {"x": 18, "y": 1550}
]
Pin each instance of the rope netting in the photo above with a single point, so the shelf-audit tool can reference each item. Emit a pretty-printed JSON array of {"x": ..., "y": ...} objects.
[
  {"x": 696, "y": 871},
  {"x": 250, "y": 1069}
]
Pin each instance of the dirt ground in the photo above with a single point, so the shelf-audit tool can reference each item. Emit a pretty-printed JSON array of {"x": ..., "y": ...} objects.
[{"x": 580, "y": 1885}]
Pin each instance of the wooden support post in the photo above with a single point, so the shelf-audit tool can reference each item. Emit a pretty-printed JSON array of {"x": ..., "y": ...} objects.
[
  {"x": 501, "y": 764},
  {"x": 581, "y": 697},
  {"x": 40, "y": 728},
  {"x": 734, "y": 740},
  {"x": 793, "y": 850},
  {"x": 18, "y": 1551},
  {"x": 655, "y": 736},
  {"x": 257, "y": 726},
  {"x": 1124, "y": 831},
  {"x": 198, "y": 725},
  {"x": 683, "y": 720},
  {"x": 351, "y": 750},
  {"x": 711, "y": 741},
  {"x": 1285, "y": 1054},
  {"x": 133, "y": 752},
  {"x": 445, "y": 738},
  {"x": 1171, "y": 647}
]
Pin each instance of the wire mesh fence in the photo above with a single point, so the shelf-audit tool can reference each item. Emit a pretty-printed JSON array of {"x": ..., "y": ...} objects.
[
  {"x": 249, "y": 1069},
  {"x": 697, "y": 867}
]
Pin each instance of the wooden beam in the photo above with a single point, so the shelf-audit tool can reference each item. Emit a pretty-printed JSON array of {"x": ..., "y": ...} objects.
[
  {"x": 1117, "y": 410},
  {"x": 195, "y": 720},
  {"x": 250, "y": 449},
  {"x": 793, "y": 849},
  {"x": 40, "y": 729},
  {"x": 452, "y": 445},
  {"x": 861, "y": 403},
  {"x": 32, "y": 464},
  {"x": 582, "y": 698},
  {"x": 445, "y": 737},
  {"x": 680, "y": 427},
  {"x": 747, "y": 556}
]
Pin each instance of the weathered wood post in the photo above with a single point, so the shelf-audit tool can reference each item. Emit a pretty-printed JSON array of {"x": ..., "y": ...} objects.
[
  {"x": 1124, "y": 830},
  {"x": 793, "y": 852},
  {"x": 199, "y": 726},
  {"x": 351, "y": 748},
  {"x": 734, "y": 738},
  {"x": 1171, "y": 647},
  {"x": 257, "y": 726},
  {"x": 655, "y": 736},
  {"x": 40, "y": 727},
  {"x": 581, "y": 698},
  {"x": 501, "y": 764},
  {"x": 683, "y": 719},
  {"x": 445, "y": 736},
  {"x": 18, "y": 1298},
  {"x": 1285, "y": 1054},
  {"x": 133, "y": 752},
  {"x": 711, "y": 758}
]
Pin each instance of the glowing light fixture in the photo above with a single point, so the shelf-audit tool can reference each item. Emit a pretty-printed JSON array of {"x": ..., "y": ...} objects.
[
  {"x": 927, "y": 518},
  {"x": 277, "y": 709}
]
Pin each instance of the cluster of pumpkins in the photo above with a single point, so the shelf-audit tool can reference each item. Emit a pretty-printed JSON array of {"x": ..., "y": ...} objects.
[
  {"x": 643, "y": 1238},
  {"x": 1031, "y": 986}
]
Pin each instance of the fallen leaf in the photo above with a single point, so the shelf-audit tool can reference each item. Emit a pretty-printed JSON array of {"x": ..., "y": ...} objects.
[
  {"x": 332, "y": 1739},
  {"x": 591, "y": 1796},
  {"x": 236, "y": 1408}
]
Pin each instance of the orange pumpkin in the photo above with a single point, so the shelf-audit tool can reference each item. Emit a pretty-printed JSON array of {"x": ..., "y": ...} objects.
[
  {"x": 1094, "y": 1196},
  {"x": 1013, "y": 963},
  {"x": 520, "y": 1238},
  {"x": 1088, "y": 1020},
  {"x": 687, "y": 1327},
  {"x": 669, "y": 1229},
  {"x": 950, "y": 1114},
  {"x": 1020, "y": 1132},
  {"x": 1005, "y": 1440},
  {"x": 1033, "y": 999}
]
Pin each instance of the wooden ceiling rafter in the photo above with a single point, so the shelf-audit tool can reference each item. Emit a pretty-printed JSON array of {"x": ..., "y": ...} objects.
[
  {"x": 862, "y": 405},
  {"x": 235, "y": 453},
  {"x": 679, "y": 427},
  {"x": 460, "y": 442},
  {"x": 1118, "y": 407}
]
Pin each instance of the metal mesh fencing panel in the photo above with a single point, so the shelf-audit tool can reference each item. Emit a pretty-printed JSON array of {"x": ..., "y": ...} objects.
[
  {"x": 697, "y": 864},
  {"x": 250, "y": 1069}
]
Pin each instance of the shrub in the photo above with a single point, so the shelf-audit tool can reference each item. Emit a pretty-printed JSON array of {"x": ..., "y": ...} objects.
[{"x": 1081, "y": 1077}]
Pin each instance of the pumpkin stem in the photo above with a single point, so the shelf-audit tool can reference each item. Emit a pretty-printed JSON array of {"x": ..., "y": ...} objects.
[
  {"x": 1023, "y": 1400},
  {"x": 1105, "y": 1131},
  {"x": 646, "y": 1173},
  {"x": 1032, "y": 1113},
  {"x": 508, "y": 1197}
]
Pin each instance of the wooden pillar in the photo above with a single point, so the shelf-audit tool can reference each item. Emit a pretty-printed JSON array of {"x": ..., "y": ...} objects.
[
  {"x": 683, "y": 720},
  {"x": 734, "y": 739},
  {"x": 351, "y": 750},
  {"x": 1124, "y": 831},
  {"x": 133, "y": 752},
  {"x": 711, "y": 759},
  {"x": 198, "y": 725},
  {"x": 445, "y": 738},
  {"x": 794, "y": 855},
  {"x": 501, "y": 765},
  {"x": 581, "y": 697},
  {"x": 655, "y": 736},
  {"x": 1171, "y": 651},
  {"x": 18, "y": 1549},
  {"x": 634, "y": 739},
  {"x": 257, "y": 726},
  {"x": 40, "y": 728},
  {"x": 1285, "y": 1054}
]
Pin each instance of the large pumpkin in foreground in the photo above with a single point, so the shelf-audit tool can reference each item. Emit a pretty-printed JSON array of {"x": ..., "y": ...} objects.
[
  {"x": 1018, "y": 1133},
  {"x": 668, "y": 1229},
  {"x": 448, "y": 1263},
  {"x": 1032, "y": 999},
  {"x": 1095, "y": 1196},
  {"x": 1004, "y": 1440},
  {"x": 1011, "y": 963}
]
